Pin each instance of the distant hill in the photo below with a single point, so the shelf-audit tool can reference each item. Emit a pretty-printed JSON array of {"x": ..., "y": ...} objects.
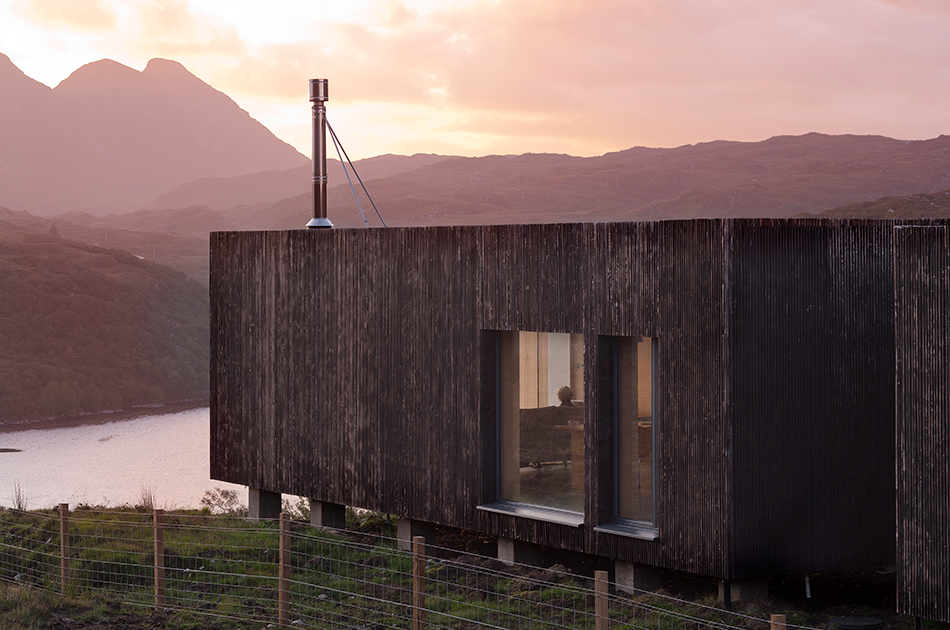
[
  {"x": 87, "y": 328},
  {"x": 158, "y": 239},
  {"x": 779, "y": 177},
  {"x": 920, "y": 206},
  {"x": 110, "y": 139},
  {"x": 221, "y": 193}
]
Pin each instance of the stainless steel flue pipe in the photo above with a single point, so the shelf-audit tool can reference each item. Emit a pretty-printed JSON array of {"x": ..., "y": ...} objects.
[{"x": 319, "y": 94}]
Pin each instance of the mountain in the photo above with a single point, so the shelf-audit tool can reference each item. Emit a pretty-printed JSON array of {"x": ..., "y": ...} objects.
[
  {"x": 221, "y": 193},
  {"x": 87, "y": 328},
  {"x": 778, "y": 177},
  {"x": 110, "y": 139}
]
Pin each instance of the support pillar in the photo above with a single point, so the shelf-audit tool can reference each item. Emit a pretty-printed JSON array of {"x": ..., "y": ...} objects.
[
  {"x": 262, "y": 504},
  {"x": 407, "y": 529},
  {"x": 511, "y": 551},
  {"x": 733, "y": 591},
  {"x": 326, "y": 514},
  {"x": 633, "y": 576}
]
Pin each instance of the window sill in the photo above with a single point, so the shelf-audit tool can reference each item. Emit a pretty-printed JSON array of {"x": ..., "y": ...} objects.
[
  {"x": 535, "y": 512},
  {"x": 631, "y": 529}
]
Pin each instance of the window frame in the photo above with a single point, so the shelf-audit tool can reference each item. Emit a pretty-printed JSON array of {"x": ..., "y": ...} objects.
[
  {"x": 601, "y": 501},
  {"x": 615, "y": 523},
  {"x": 492, "y": 443}
]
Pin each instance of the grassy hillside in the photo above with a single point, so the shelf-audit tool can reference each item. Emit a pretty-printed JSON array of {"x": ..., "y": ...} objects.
[
  {"x": 919, "y": 206},
  {"x": 86, "y": 328},
  {"x": 145, "y": 236}
]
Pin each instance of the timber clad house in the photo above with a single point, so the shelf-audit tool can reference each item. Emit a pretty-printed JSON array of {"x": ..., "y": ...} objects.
[{"x": 710, "y": 396}]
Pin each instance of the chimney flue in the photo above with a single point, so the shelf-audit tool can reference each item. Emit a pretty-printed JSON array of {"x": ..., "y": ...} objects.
[{"x": 319, "y": 94}]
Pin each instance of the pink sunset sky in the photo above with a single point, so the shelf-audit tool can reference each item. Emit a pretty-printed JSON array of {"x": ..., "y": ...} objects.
[{"x": 514, "y": 76}]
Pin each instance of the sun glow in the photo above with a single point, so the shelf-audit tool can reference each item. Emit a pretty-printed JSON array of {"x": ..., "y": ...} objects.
[{"x": 503, "y": 76}]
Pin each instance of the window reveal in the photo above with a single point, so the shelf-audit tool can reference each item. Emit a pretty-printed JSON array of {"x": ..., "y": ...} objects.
[
  {"x": 635, "y": 429},
  {"x": 542, "y": 419}
]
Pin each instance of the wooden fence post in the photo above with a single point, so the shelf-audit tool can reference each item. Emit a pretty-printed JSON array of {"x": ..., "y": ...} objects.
[
  {"x": 601, "y": 601},
  {"x": 418, "y": 582},
  {"x": 64, "y": 545},
  {"x": 283, "y": 595},
  {"x": 778, "y": 622},
  {"x": 159, "y": 560}
]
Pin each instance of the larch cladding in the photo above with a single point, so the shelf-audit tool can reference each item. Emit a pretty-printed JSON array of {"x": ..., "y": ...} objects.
[{"x": 352, "y": 366}]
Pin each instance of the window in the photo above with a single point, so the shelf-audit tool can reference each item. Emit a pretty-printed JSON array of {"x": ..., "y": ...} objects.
[
  {"x": 536, "y": 426},
  {"x": 541, "y": 401},
  {"x": 634, "y": 416}
]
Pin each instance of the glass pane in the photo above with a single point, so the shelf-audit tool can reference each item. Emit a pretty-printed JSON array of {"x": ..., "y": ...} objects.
[
  {"x": 542, "y": 404},
  {"x": 635, "y": 428}
]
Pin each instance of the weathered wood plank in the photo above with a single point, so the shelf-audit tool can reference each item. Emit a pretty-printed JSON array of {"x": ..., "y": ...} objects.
[{"x": 356, "y": 367}]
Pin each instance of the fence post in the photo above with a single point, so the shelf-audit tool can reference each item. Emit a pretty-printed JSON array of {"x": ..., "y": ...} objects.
[
  {"x": 283, "y": 595},
  {"x": 418, "y": 582},
  {"x": 159, "y": 560},
  {"x": 601, "y": 594},
  {"x": 64, "y": 545},
  {"x": 778, "y": 622}
]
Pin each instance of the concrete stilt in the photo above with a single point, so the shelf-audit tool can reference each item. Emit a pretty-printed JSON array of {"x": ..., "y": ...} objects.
[
  {"x": 511, "y": 551},
  {"x": 733, "y": 591},
  {"x": 407, "y": 528},
  {"x": 632, "y": 576},
  {"x": 262, "y": 504},
  {"x": 325, "y": 514}
]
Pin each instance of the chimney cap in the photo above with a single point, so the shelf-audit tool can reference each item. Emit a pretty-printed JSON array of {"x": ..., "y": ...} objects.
[{"x": 319, "y": 90}]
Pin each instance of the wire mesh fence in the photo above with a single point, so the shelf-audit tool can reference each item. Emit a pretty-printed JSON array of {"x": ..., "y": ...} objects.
[{"x": 292, "y": 574}]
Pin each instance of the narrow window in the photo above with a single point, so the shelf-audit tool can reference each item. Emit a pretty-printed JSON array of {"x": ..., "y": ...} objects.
[
  {"x": 636, "y": 426},
  {"x": 542, "y": 419}
]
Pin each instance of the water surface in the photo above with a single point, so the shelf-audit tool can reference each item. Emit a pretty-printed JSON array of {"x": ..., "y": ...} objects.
[{"x": 109, "y": 464}]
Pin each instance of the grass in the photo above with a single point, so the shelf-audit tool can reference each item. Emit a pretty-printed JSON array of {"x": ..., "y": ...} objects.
[
  {"x": 221, "y": 572},
  {"x": 19, "y": 497},
  {"x": 146, "y": 498},
  {"x": 226, "y": 567}
]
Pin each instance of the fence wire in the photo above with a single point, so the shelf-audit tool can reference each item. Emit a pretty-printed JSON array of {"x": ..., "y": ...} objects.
[{"x": 230, "y": 567}]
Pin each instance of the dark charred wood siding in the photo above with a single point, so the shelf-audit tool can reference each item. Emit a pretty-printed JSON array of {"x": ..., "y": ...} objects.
[
  {"x": 666, "y": 280},
  {"x": 356, "y": 367},
  {"x": 813, "y": 397},
  {"x": 922, "y": 298}
]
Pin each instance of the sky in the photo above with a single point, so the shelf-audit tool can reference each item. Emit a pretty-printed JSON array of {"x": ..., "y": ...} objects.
[{"x": 479, "y": 77}]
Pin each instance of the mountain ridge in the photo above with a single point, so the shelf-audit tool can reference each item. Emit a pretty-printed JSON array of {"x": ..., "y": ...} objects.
[
  {"x": 109, "y": 138},
  {"x": 778, "y": 177}
]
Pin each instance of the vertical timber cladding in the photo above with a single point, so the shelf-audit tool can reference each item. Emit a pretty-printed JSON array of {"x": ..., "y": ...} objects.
[
  {"x": 812, "y": 387},
  {"x": 668, "y": 280},
  {"x": 348, "y": 365},
  {"x": 255, "y": 386},
  {"x": 922, "y": 330},
  {"x": 663, "y": 279}
]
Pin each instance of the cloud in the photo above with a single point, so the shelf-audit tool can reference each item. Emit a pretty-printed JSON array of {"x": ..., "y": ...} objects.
[
  {"x": 78, "y": 15},
  {"x": 570, "y": 75},
  {"x": 605, "y": 75},
  {"x": 171, "y": 28},
  {"x": 931, "y": 6}
]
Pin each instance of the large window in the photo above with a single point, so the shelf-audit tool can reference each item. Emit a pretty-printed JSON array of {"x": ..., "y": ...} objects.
[
  {"x": 635, "y": 428},
  {"x": 535, "y": 411},
  {"x": 542, "y": 419}
]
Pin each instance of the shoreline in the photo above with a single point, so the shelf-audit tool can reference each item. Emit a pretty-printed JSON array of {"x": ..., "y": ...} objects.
[{"x": 101, "y": 418}]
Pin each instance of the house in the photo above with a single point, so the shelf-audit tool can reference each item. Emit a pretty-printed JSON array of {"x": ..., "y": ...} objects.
[{"x": 726, "y": 386}]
